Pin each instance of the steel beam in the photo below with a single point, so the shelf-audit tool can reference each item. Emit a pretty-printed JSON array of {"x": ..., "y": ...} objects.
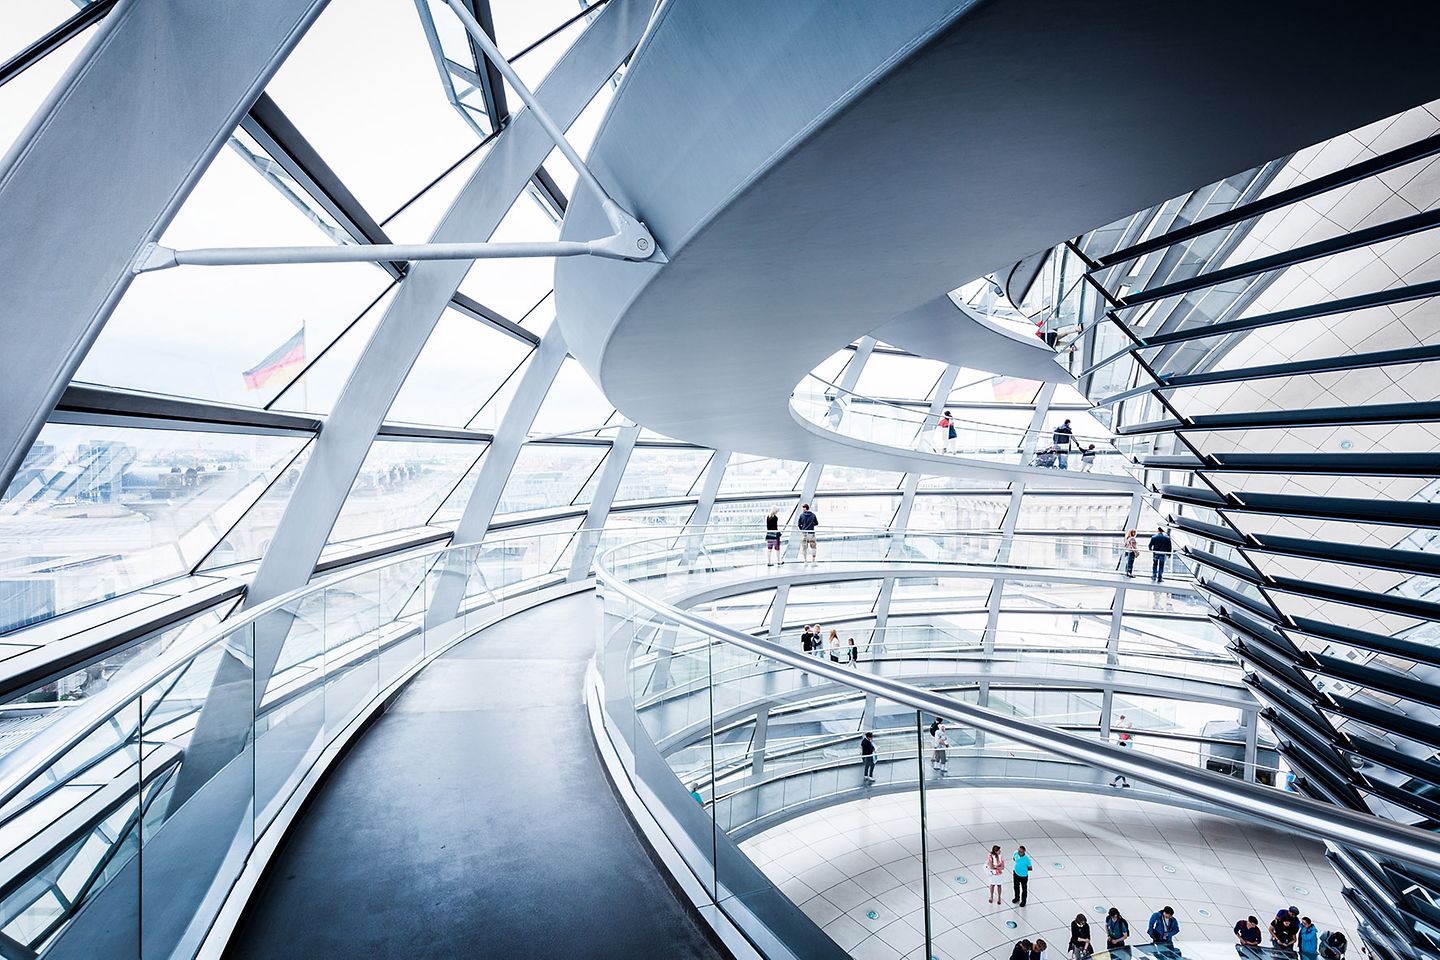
[
  {"x": 422, "y": 297},
  {"x": 593, "y": 526}
]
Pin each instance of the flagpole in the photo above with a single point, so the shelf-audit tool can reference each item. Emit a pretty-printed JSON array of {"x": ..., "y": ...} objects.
[{"x": 304, "y": 371}]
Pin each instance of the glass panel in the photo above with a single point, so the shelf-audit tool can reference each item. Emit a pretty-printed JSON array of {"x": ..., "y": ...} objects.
[
  {"x": 382, "y": 164},
  {"x": 416, "y": 221},
  {"x": 572, "y": 404},
  {"x": 836, "y": 478},
  {"x": 198, "y": 767},
  {"x": 548, "y": 475},
  {"x": 100, "y": 863},
  {"x": 401, "y": 484},
  {"x": 513, "y": 287},
  {"x": 97, "y": 511},
  {"x": 857, "y": 511},
  {"x": 250, "y": 537},
  {"x": 888, "y": 375},
  {"x": 451, "y": 510},
  {"x": 655, "y": 472},
  {"x": 231, "y": 334},
  {"x": 22, "y": 95},
  {"x": 958, "y": 512},
  {"x": 750, "y": 474},
  {"x": 464, "y": 362}
]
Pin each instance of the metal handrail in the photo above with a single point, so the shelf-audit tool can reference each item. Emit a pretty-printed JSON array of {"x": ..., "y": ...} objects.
[
  {"x": 29, "y": 760},
  {"x": 922, "y": 417},
  {"x": 1287, "y": 811}
]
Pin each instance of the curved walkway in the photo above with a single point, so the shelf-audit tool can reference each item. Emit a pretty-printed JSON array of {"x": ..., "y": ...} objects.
[
  {"x": 910, "y": 438},
  {"x": 473, "y": 819},
  {"x": 904, "y": 159}
]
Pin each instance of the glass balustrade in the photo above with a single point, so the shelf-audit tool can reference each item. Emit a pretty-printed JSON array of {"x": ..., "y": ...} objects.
[
  {"x": 833, "y": 408},
  {"x": 722, "y": 742},
  {"x": 125, "y": 822}
]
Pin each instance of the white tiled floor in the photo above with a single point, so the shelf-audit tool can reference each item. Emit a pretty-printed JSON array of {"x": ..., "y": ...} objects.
[{"x": 843, "y": 863}]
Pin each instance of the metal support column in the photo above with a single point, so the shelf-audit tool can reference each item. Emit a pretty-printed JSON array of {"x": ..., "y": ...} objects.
[
  {"x": 1117, "y": 609},
  {"x": 777, "y": 612},
  {"x": 496, "y": 468},
  {"x": 1250, "y": 719},
  {"x": 594, "y": 525},
  {"x": 714, "y": 475},
  {"x": 757, "y": 742}
]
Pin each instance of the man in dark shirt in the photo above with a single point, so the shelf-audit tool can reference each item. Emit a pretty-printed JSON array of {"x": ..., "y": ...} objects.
[
  {"x": 1247, "y": 932},
  {"x": 1283, "y": 930},
  {"x": 1022, "y": 950},
  {"x": 867, "y": 754},
  {"x": 807, "y": 524},
  {"x": 1061, "y": 438},
  {"x": 1160, "y": 550}
]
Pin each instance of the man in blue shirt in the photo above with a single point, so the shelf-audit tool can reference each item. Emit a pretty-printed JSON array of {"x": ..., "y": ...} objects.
[
  {"x": 1061, "y": 439},
  {"x": 1163, "y": 926},
  {"x": 807, "y": 524},
  {"x": 1020, "y": 862},
  {"x": 1160, "y": 550}
]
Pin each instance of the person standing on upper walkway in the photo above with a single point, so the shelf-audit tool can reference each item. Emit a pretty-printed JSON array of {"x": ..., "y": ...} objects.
[
  {"x": 1160, "y": 549},
  {"x": 809, "y": 550}
]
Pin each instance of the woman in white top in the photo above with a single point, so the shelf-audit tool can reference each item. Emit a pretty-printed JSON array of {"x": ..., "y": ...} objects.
[
  {"x": 940, "y": 759},
  {"x": 833, "y": 645},
  {"x": 995, "y": 872}
]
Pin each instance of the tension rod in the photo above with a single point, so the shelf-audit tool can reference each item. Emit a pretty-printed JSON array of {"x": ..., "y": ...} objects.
[{"x": 630, "y": 240}]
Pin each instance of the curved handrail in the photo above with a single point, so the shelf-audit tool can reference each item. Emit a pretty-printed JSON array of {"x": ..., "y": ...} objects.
[
  {"x": 822, "y": 407},
  {"x": 910, "y": 416},
  {"x": 22, "y": 765},
  {"x": 1289, "y": 811}
]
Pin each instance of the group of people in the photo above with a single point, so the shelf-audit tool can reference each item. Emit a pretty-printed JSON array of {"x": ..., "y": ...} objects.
[
  {"x": 1160, "y": 546},
  {"x": 806, "y": 523},
  {"x": 814, "y": 644},
  {"x": 1288, "y": 931},
  {"x": 1062, "y": 443}
]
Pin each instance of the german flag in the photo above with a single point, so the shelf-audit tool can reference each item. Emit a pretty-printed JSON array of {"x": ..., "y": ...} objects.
[
  {"x": 287, "y": 356},
  {"x": 1015, "y": 390}
]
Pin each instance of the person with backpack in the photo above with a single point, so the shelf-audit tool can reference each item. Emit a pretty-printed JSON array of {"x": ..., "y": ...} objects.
[
  {"x": 947, "y": 433},
  {"x": 807, "y": 522},
  {"x": 1087, "y": 459},
  {"x": 1117, "y": 929},
  {"x": 1163, "y": 927},
  {"x": 1061, "y": 439},
  {"x": 940, "y": 757},
  {"x": 772, "y": 537},
  {"x": 867, "y": 757},
  {"x": 1160, "y": 549},
  {"x": 1124, "y": 738},
  {"x": 1332, "y": 946}
]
